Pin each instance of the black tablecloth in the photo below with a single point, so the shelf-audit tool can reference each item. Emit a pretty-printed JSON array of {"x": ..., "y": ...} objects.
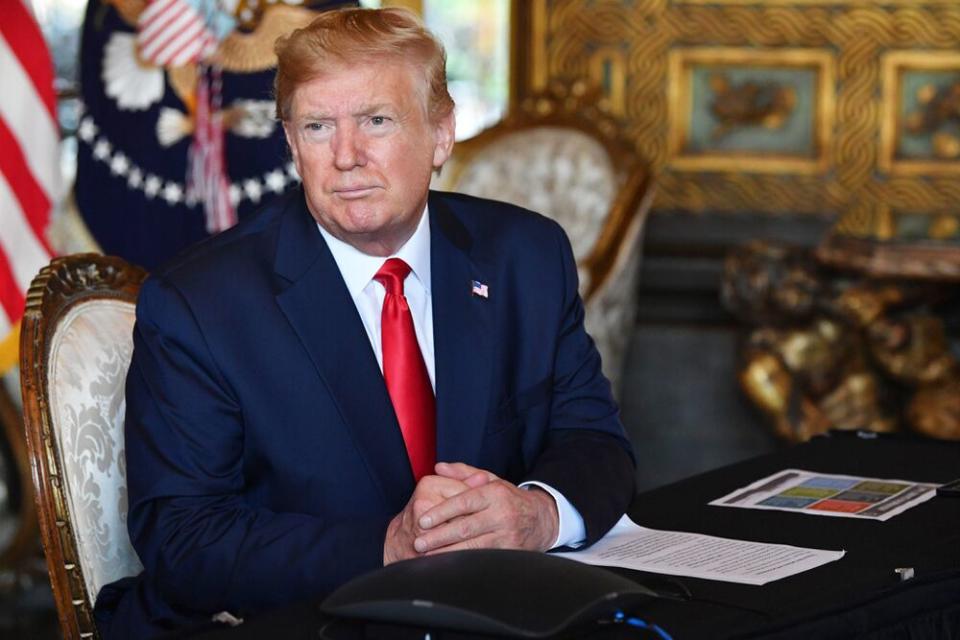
[{"x": 859, "y": 596}]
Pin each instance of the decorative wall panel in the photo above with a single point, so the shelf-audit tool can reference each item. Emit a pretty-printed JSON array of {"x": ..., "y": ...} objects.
[
  {"x": 761, "y": 110},
  {"x": 781, "y": 106}
]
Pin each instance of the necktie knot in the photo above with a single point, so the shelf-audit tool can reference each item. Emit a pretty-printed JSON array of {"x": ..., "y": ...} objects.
[{"x": 392, "y": 274}]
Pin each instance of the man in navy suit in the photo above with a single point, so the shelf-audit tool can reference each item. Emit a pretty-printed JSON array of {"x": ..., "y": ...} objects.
[{"x": 269, "y": 453}]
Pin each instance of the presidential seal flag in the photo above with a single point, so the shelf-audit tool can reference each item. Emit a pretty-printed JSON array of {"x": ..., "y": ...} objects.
[
  {"x": 178, "y": 138},
  {"x": 29, "y": 164}
]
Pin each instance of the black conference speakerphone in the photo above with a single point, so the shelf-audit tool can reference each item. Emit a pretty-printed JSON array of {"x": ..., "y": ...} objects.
[{"x": 491, "y": 592}]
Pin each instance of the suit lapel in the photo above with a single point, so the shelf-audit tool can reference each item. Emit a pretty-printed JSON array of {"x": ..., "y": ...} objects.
[
  {"x": 463, "y": 341},
  {"x": 318, "y": 306}
]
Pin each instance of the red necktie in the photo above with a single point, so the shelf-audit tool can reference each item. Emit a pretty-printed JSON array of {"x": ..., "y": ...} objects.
[{"x": 405, "y": 373}]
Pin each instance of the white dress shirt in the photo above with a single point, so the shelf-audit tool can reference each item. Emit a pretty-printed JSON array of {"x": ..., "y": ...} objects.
[{"x": 358, "y": 269}]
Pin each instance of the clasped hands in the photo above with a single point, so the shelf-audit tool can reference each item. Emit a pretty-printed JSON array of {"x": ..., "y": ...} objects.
[{"x": 463, "y": 507}]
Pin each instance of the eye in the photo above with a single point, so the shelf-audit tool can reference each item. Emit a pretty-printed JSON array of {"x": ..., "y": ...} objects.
[
  {"x": 378, "y": 120},
  {"x": 314, "y": 126}
]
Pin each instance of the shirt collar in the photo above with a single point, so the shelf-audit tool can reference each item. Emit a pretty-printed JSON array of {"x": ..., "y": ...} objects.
[{"x": 358, "y": 268}]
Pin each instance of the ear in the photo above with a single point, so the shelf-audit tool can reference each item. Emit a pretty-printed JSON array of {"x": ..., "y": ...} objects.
[{"x": 444, "y": 133}]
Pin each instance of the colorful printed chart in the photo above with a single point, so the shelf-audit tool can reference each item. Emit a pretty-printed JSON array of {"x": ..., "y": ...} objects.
[{"x": 830, "y": 495}]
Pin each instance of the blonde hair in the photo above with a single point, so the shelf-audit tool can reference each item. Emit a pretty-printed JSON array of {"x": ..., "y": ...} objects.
[{"x": 350, "y": 36}]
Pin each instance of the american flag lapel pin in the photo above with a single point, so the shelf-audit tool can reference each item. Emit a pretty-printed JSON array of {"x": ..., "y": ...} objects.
[{"x": 477, "y": 288}]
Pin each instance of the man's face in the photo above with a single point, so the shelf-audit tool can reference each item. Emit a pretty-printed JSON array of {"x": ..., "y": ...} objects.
[{"x": 365, "y": 149}]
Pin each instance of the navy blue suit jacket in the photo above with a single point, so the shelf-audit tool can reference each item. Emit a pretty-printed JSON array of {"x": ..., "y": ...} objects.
[{"x": 264, "y": 460}]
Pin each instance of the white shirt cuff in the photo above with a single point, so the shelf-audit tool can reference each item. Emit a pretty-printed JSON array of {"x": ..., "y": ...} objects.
[{"x": 571, "y": 531}]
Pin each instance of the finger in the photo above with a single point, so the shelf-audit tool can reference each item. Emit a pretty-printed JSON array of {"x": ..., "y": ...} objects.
[
  {"x": 418, "y": 507},
  {"x": 429, "y": 494},
  {"x": 486, "y": 541},
  {"x": 462, "y": 504},
  {"x": 439, "y": 486},
  {"x": 479, "y": 479},
  {"x": 457, "y": 531},
  {"x": 461, "y": 471}
]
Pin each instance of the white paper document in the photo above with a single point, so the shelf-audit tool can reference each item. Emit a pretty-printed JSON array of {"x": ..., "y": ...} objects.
[
  {"x": 824, "y": 494},
  {"x": 695, "y": 555}
]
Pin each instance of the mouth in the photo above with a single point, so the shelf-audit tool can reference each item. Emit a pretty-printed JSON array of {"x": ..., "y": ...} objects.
[{"x": 354, "y": 193}]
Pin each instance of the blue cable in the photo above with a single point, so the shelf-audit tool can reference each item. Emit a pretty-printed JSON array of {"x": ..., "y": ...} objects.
[{"x": 641, "y": 624}]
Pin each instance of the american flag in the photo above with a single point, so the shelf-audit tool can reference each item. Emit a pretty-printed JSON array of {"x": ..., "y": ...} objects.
[
  {"x": 29, "y": 164},
  {"x": 173, "y": 32},
  {"x": 477, "y": 288}
]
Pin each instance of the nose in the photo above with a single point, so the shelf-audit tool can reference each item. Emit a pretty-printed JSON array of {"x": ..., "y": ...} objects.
[{"x": 348, "y": 148}]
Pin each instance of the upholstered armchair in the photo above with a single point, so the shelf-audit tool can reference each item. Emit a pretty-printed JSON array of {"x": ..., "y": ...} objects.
[
  {"x": 560, "y": 153},
  {"x": 76, "y": 343}
]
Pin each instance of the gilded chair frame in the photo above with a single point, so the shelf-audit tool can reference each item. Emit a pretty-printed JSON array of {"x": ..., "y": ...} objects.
[
  {"x": 579, "y": 106},
  {"x": 60, "y": 286}
]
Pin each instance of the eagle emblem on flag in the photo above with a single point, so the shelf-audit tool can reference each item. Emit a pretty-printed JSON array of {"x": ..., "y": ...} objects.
[{"x": 177, "y": 135}]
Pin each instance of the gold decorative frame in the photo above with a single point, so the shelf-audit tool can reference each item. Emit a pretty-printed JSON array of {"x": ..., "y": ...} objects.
[
  {"x": 680, "y": 102},
  {"x": 558, "y": 39},
  {"x": 893, "y": 64},
  {"x": 59, "y": 287}
]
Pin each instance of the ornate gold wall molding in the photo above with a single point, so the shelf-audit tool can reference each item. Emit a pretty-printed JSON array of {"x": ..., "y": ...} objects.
[{"x": 864, "y": 52}]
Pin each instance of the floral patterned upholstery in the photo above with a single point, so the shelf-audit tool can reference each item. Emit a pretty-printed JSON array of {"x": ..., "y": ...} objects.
[
  {"x": 610, "y": 313},
  {"x": 87, "y": 364},
  {"x": 568, "y": 174},
  {"x": 563, "y": 173}
]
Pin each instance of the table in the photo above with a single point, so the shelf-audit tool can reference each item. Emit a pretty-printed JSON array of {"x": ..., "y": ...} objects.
[{"x": 860, "y": 596}]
